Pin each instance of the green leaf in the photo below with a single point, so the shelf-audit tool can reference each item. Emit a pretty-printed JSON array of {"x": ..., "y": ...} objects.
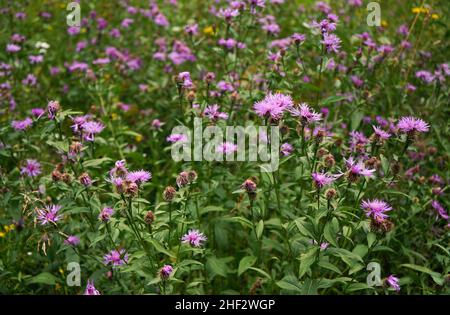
[
  {"x": 95, "y": 162},
  {"x": 306, "y": 260},
  {"x": 43, "y": 278},
  {"x": 358, "y": 287},
  {"x": 245, "y": 263},
  {"x": 330, "y": 233},
  {"x": 327, "y": 265},
  {"x": 356, "y": 119},
  {"x": 161, "y": 248},
  {"x": 371, "y": 238},
  {"x": 437, "y": 277},
  {"x": 211, "y": 209},
  {"x": 290, "y": 283},
  {"x": 259, "y": 229},
  {"x": 216, "y": 266},
  {"x": 262, "y": 272}
]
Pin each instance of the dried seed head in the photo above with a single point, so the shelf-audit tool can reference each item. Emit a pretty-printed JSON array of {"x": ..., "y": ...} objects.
[
  {"x": 169, "y": 193},
  {"x": 329, "y": 160},
  {"x": 182, "y": 179},
  {"x": 192, "y": 176},
  {"x": 131, "y": 188},
  {"x": 57, "y": 176},
  {"x": 330, "y": 193},
  {"x": 149, "y": 217}
]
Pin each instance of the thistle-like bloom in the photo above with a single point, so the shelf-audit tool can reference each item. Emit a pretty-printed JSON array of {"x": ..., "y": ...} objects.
[
  {"x": 90, "y": 289},
  {"x": 22, "y": 124},
  {"x": 380, "y": 134},
  {"x": 194, "y": 238},
  {"x": 322, "y": 179},
  {"x": 116, "y": 257},
  {"x": 286, "y": 149},
  {"x": 213, "y": 113},
  {"x": 105, "y": 214},
  {"x": 376, "y": 209},
  {"x": 91, "y": 128},
  {"x": 357, "y": 169},
  {"x": 393, "y": 282},
  {"x": 177, "y": 137},
  {"x": 226, "y": 148},
  {"x": 306, "y": 114},
  {"x": 166, "y": 271},
  {"x": 411, "y": 125},
  {"x": 48, "y": 214},
  {"x": 52, "y": 108},
  {"x": 440, "y": 209},
  {"x": 332, "y": 42},
  {"x": 273, "y": 105},
  {"x": 72, "y": 240},
  {"x": 139, "y": 177},
  {"x": 32, "y": 168}
]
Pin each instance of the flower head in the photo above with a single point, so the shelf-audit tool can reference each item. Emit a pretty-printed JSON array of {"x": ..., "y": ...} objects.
[
  {"x": 166, "y": 271},
  {"x": 286, "y": 149},
  {"x": 48, "y": 214},
  {"x": 32, "y": 168},
  {"x": 440, "y": 209},
  {"x": 356, "y": 169},
  {"x": 322, "y": 179},
  {"x": 411, "y": 125},
  {"x": 139, "y": 177},
  {"x": 332, "y": 42},
  {"x": 226, "y": 148},
  {"x": 273, "y": 105},
  {"x": 116, "y": 257},
  {"x": 380, "y": 134},
  {"x": 194, "y": 238},
  {"x": 91, "y": 128},
  {"x": 376, "y": 209},
  {"x": 22, "y": 124},
  {"x": 393, "y": 282},
  {"x": 177, "y": 137},
  {"x": 90, "y": 289},
  {"x": 105, "y": 214},
  {"x": 72, "y": 240},
  {"x": 306, "y": 114}
]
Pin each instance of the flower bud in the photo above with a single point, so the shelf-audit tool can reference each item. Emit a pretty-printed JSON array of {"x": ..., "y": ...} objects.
[
  {"x": 149, "y": 217},
  {"x": 169, "y": 193}
]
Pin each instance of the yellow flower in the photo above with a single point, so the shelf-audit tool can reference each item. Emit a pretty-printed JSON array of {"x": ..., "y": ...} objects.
[
  {"x": 417, "y": 10},
  {"x": 113, "y": 116},
  {"x": 6, "y": 228},
  {"x": 435, "y": 16},
  {"x": 2, "y": 234},
  {"x": 138, "y": 138},
  {"x": 384, "y": 23},
  {"x": 209, "y": 30},
  {"x": 61, "y": 271}
]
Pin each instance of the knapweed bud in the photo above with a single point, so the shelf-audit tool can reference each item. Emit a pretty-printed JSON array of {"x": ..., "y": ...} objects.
[
  {"x": 235, "y": 96},
  {"x": 85, "y": 179},
  {"x": 432, "y": 150},
  {"x": 118, "y": 184},
  {"x": 52, "y": 108},
  {"x": 182, "y": 179},
  {"x": 330, "y": 193},
  {"x": 191, "y": 96},
  {"x": 210, "y": 77},
  {"x": 57, "y": 176},
  {"x": 131, "y": 188},
  {"x": 105, "y": 214},
  {"x": 284, "y": 130},
  {"x": 373, "y": 162},
  {"x": 395, "y": 167},
  {"x": 169, "y": 193},
  {"x": 165, "y": 272},
  {"x": 66, "y": 178},
  {"x": 319, "y": 136},
  {"x": 75, "y": 148},
  {"x": 192, "y": 176},
  {"x": 436, "y": 191},
  {"x": 149, "y": 217},
  {"x": 250, "y": 187},
  {"x": 321, "y": 152},
  {"x": 329, "y": 160}
]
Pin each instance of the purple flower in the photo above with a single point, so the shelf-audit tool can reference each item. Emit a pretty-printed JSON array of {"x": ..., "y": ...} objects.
[
  {"x": 286, "y": 149},
  {"x": 165, "y": 271},
  {"x": 392, "y": 281},
  {"x": 72, "y": 240},
  {"x": 411, "y": 125},
  {"x": 306, "y": 114},
  {"x": 226, "y": 147},
  {"x": 194, "y": 238},
  {"x": 177, "y": 137},
  {"x": 12, "y": 48},
  {"x": 376, "y": 209},
  {"x": 52, "y": 108},
  {"x": 90, "y": 289},
  {"x": 116, "y": 257},
  {"x": 36, "y": 59},
  {"x": 322, "y": 179},
  {"x": 105, "y": 214},
  {"x": 213, "y": 113},
  {"x": 139, "y": 177},
  {"x": 273, "y": 105},
  {"x": 331, "y": 42},
  {"x": 440, "y": 209},
  {"x": 31, "y": 169},
  {"x": 357, "y": 168},
  {"x": 90, "y": 128},
  {"x": 22, "y": 124},
  {"x": 37, "y": 112},
  {"x": 380, "y": 133},
  {"x": 298, "y": 38},
  {"x": 48, "y": 214},
  {"x": 324, "y": 245},
  {"x": 425, "y": 76}
]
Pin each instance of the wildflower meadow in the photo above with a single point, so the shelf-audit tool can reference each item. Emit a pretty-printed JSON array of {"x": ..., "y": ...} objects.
[{"x": 224, "y": 147}]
